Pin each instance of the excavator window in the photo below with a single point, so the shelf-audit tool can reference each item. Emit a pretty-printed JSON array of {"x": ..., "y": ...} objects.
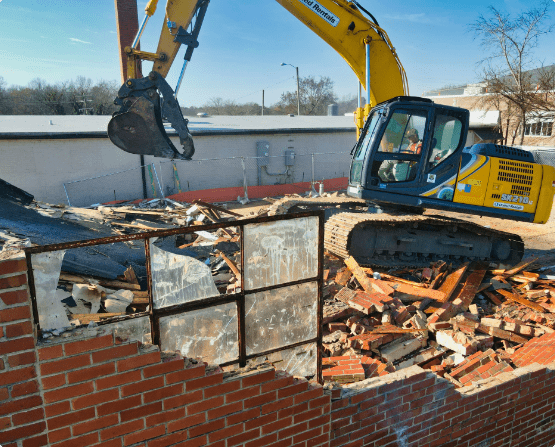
[
  {"x": 445, "y": 139},
  {"x": 403, "y": 139}
]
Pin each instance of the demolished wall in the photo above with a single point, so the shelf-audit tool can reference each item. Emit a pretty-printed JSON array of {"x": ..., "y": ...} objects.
[{"x": 97, "y": 389}]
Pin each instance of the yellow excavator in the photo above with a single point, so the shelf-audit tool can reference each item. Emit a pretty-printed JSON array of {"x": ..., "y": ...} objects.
[{"x": 410, "y": 154}]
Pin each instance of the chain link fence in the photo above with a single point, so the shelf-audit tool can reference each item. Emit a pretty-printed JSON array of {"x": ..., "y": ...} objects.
[
  {"x": 168, "y": 177},
  {"x": 542, "y": 155},
  {"x": 116, "y": 186}
]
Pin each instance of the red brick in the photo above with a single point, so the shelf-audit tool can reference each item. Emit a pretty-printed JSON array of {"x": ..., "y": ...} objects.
[
  {"x": 28, "y": 416},
  {"x": 137, "y": 362},
  {"x": 294, "y": 389},
  {"x": 90, "y": 400},
  {"x": 277, "y": 405},
  {"x": 70, "y": 419},
  {"x": 162, "y": 393},
  {"x": 56, "y": 409},
  {"x": 184, "y": 399},
  {"x": 243, "y": 416},
  {"x": 14, "y": 297},
  {"x": 19, "y": 375},
  {"x": 225, "y": 410},
  {"x": 25, "y": 388},
  {"x": 68, "y": 392},
  {"x": 224, "y": 388},
  {"x": 204, "y": 382},
  {"x": 149, "y": 433},
  {"x": 21, "y": 432},
  {"x": 186, "y": 374},
  {"x": 15, "y": 313},
  {"x": 1, "y": 331},
  {"x": 90, "y": 344},
  {"x": 25, "y": 358},
  {"x": 186, "y": 422},
  {"x": 276, "y": 384},
  {"x": 114, "y": 353},
  {"x": 59, "y": 435},
  {"x": 225, "y": 433},
  {"x": 14, "y": 406},
  {"x": 245, "y": 393},
  {"x": 278, "y": 425},
  {"x": 142, "y": 411},
  {"x": 258, "y": 401},
  {"x": 243, "y": 437},
  {"x": 175, "y": 364},
  {"x": 121, "y": 429},
  {"x": 91, "y": 373},
  {"x": 20, "y": 344},
  {"x": 266, "y": 440},
  {"x": 165, "y": 416},
  {"x": 291, "y": 431},
  {"x": 205, "y": 405},
  {"x": 82, "y": 441},
  {"x": 37, "y": 441},
  {"x": 11, "y": 282},
  {"x": 141, "y": 386},
  {"x": 13, "y": 266},
  {"x": 111, "y": 443},
  {"x": 51, "y": 352},
  {"x": 218, "y": 424},
  {"x": 95, "y": 424},
  {"x": 120, "y": 379},
  {"x": 114, "y": 407},
  {"x": 65, "y": 364},
  {"x": 174, "y": 438},
  {"x": 257, "y": 379},
  {"x": 4, "y": 394},
  {"x": 19, "y": 329},
  {"x": 260, "y": 421}
]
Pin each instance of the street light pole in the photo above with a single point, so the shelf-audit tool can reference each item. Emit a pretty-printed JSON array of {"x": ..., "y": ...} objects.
[{"x": 298, "y": 88}]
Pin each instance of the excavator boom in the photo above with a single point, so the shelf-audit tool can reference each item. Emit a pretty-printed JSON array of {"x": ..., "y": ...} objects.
[{"x": 138, "y": 126}]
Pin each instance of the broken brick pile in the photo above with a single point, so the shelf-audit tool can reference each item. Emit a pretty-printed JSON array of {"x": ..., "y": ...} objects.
[{"x": 465, "y": 324}]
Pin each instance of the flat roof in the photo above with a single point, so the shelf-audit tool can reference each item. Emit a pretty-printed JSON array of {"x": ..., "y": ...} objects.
[{"x": 94, "y": 126}]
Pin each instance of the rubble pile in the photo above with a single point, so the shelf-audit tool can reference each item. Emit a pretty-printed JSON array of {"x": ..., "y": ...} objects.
[{"x": 464, "y": 324}]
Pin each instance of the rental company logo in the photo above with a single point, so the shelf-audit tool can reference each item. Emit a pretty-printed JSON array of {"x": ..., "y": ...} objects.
[{"x": 332, "y": 19}]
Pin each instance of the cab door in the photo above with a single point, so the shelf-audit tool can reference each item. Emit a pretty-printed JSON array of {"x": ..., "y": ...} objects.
[{"x": 396, "y": 162}]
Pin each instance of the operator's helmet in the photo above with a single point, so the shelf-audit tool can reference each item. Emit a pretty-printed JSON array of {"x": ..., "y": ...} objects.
[{"x": 412, "y": 133}]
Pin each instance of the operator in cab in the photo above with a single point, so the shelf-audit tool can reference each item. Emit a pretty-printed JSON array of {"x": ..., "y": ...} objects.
[{"x": 415, "y": 146}]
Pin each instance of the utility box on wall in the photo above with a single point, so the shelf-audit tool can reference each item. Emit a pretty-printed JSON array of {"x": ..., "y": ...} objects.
[
  {"x": 263, "y": 153},
  {"x": 289, "y": 158}
]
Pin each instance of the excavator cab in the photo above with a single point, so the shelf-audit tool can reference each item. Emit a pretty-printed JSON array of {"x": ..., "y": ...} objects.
[{"x": 409, "y": 148}]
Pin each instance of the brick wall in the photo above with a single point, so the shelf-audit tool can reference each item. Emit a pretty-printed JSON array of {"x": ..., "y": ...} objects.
[{"x": 95, "y": 389}]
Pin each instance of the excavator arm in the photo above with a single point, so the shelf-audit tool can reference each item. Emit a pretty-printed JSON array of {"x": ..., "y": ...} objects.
[{"x": 138, "y": 126}]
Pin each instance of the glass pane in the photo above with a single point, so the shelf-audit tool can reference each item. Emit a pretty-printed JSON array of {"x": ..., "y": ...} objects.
[
  {"x": 445, "y": 139},
  {"x": 136, "y": 329},
  {"x": 178, "y": 279},
  {"x": 299, "y": 361},
  {"x": 280, "y": 252},
  {"x": 403, "y": 133},
  {"x": 281, "y": 317},
  {"x": 207, "y": 334},
  {"x": 395, "y": 170},
  {"x": 363, "y": 148}
]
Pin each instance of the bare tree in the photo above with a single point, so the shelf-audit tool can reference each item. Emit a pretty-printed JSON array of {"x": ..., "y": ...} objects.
[
  {"x": 315, "y": 96},
  {"x": 507, "y": 71}
]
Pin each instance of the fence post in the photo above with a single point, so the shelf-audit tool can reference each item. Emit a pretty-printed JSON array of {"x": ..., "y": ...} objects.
[{"x": 245, "y": 185}]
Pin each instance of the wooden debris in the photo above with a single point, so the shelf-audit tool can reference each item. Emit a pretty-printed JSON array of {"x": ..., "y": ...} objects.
[{"x": 514, "y": 297}]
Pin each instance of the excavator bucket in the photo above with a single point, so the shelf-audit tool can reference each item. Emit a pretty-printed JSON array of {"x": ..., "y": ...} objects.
[{"x": 138, "y": 128}]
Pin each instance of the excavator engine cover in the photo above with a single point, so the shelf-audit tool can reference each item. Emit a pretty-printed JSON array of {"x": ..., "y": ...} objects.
[{"x": 138, "y": 127}]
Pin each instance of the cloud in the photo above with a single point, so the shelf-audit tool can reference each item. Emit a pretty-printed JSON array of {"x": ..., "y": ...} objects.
[
  {"x": 73, "y": 39},
  {"x": 416, "y": 18}
]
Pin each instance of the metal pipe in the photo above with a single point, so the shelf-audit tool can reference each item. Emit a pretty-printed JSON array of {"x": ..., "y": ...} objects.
[
  {"x": 298, "y": 94},
  {"x": 367, "y": 42},
  {"x": 158, "y": 181},
  {"x": 181, "y": 75},
  {"x": 140, "y": 32}
]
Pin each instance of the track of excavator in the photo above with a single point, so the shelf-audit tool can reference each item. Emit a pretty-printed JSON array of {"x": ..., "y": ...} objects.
[{"x": 392, "y": 240}]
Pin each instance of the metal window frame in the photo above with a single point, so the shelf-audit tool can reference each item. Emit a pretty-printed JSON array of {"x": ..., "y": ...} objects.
[{"x": 239, "y": 298}]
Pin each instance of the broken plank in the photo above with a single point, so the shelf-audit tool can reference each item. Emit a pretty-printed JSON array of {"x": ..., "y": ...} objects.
[
  {"x": 215, "y": 207},
  {"x": 418, "y": 292},
  {"x": 404, "y": 281},
  {"x": 514, "y": 297},
  {"x": 519, "y": 267},
  {"x": 452, "y": 282},
  {"x": 493, "y": 298},
  {"x": 110, "y": 283},
  {"x": 367, "y": 284},
  {"x": 393, "y": 330},
  {"x": 86, "y": 318},
  {"x": 230, "y": 263},
  {"x": 130, "y": 276}
]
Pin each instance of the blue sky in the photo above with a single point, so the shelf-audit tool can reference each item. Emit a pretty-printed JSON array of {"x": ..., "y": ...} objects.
[{"x": 242, "y": 44}]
